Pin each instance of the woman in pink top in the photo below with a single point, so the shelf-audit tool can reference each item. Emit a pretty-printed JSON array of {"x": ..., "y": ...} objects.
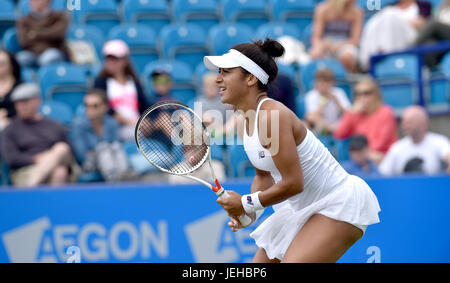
[{"x": 371, "y": 118}]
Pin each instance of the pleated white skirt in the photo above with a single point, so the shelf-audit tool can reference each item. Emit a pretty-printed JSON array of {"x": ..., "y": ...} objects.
[{"x": 353, "y": 202}]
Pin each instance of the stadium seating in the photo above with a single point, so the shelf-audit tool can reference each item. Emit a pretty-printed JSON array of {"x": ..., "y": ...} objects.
[
  {"x": 300, "y": 106},
  {"x": 63, "y": 82},
  {"x": 57, "y": 111},
  {"x": 306, "y": 35},
  {"x": 154, "y": 13},
  {"x": 89, "y": 34},
  {"x": 223, "y": 36},
  {"x": 103, "y": 14},
  {"x": 397, "y": 78},
  {"x": 10, "y": 41},
  {"x": 7, "y": 16},
  {"x": 24, "y": 6},
  {"x": 142, "y": 43},
  {"x": 278, "y": 29},
  {"x": 183, "y": 88},
  {"x": 298, "y": 12},
  {"x": 253, "y": 13},
  {"x": 184, "y": 42},
  {"x": 238, "y": 163},
  {"x": 201, "y": 12}
]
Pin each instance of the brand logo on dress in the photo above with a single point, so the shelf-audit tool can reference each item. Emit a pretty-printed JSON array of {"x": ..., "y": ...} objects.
[{"x": 261, "y": 154}]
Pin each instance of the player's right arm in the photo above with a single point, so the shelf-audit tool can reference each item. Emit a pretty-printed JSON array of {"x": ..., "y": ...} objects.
[{"x": 262, "y": 181}]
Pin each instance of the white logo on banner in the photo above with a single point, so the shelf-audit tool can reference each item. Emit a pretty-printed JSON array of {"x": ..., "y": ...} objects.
[
  {"x": 39, "y": 241},
  {"x": 211, "y": 240}
]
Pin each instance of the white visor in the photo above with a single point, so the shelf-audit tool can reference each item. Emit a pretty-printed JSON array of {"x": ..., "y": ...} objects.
[{"x": 234, "y": 59}]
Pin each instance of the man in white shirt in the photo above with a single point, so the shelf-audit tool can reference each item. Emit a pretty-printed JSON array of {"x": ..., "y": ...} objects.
[
  {"x": 419, "y": 151},
  {"x": 325, "y": 103}
]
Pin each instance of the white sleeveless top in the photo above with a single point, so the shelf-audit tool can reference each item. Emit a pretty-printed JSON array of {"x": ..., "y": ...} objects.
[{"x": 321, "y": 172}]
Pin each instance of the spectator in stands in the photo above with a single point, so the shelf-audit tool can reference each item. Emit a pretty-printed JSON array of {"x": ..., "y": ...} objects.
[
  {"x": 162, "y": 85},
  {"x": 35, "y": 148},
  {"x": 10, "y": 78},
  {"x": 337, "y": 30},
  {"x": 282, "y": 90},
  {"x": 371, "y": 118},
  {"x": 360, "y": 163},
  {"x": 42, "y": 35},
  {"x": 392, "y": 29},
  {"x": 96, "y": 140},
  {"x": 419, "y": 151},
  {"x": 435, "y": 30},
  {"x": 210, "y": 103},
  {"x": 125, "y": 94},
  {"x": 325, "y": 103}
]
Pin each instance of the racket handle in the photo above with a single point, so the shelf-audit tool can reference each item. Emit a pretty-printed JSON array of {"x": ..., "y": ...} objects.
[{"x": 244, "y": 219}]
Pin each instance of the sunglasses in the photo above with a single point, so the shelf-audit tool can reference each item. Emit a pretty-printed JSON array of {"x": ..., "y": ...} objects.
[
  {"x": 364, "y": 92},
  {"x": 92, "y": 105},
  {"x": 161, "y": 80},
  {"x": 112, "y": 58}
]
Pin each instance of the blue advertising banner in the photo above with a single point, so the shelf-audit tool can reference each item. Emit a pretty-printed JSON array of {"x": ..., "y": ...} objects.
[{"x": 183, "y": 223}]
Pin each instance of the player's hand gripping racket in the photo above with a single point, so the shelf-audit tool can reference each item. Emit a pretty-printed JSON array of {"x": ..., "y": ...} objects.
[{"x": 173, "y": 138}]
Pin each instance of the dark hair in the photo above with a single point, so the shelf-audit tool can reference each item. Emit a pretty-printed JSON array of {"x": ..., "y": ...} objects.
[
  {"x": 99, "y": 93},
  {"x": 263, "y": 54},
  {"x": 358, "y": 143},
  {"x": 128, "y": 72},
  {"x": 16, "y": 72}
]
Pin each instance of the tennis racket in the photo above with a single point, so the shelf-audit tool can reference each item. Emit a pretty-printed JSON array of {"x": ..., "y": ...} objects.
[{"x": 173, "y": 138}]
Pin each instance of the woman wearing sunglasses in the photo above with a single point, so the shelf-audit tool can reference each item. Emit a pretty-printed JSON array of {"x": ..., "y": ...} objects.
[{"x": 371, "y": 118}]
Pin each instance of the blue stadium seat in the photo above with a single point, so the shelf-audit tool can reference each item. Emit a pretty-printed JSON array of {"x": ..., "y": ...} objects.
[
  {"x": 397, "y": 77},
  {"x": 181, "y": 74},
  {"x": 155, "y": 13},
  {"x": 278, "y": 29},
  {"x": 201, "y": 12},
  {"x": 24, "y": 6},
  {"x": 87, "y": 33},
  {"x": 300, "y": 106},
  {"x": 445, "y": 64},
  {"x": 57, "y": 111},
  {"x": 253, "y": 13},
  {"x": 308, "y": 71},
  {"x": 223, "y": 36},
  {"x": 64, "y": 82},
  {"x": 141, "y": 40},
  {"x": 28, "y": 75},
  {"x": 238, "y": 163},
  {"x": 217, "y": 152},
  {"x": 306, "y": 35},
  {"x": 103, "y": 14},
  {"x": 4, "y": 173},
  {"x": 7, "y": 16},
  {"x": 298, "y": 12},
  {"x": 185, "y": 42},
  {"x": 397, "y": 67},
  {"x": 10, "y": 41}
]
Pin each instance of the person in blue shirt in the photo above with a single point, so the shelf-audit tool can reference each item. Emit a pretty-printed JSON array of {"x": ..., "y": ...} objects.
[
  {"x": 96, "y": 139},
  {"x": 359, "y": 163}
]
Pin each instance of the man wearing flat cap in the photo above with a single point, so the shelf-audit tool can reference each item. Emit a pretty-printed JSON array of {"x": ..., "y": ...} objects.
[{"x": 36, "y": 148}]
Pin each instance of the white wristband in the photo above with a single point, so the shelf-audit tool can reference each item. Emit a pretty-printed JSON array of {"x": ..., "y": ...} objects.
[{"x": 251, "y": 202}]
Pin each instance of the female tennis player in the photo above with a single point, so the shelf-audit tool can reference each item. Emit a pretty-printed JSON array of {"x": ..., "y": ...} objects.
[{"x": 319, "y": 209}]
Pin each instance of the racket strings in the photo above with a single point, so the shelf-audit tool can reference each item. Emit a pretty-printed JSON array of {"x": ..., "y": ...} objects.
[{"x": 174, "y": 139}]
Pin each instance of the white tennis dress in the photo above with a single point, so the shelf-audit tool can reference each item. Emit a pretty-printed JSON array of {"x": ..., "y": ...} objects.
[{"x": 328, "y": 190}]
